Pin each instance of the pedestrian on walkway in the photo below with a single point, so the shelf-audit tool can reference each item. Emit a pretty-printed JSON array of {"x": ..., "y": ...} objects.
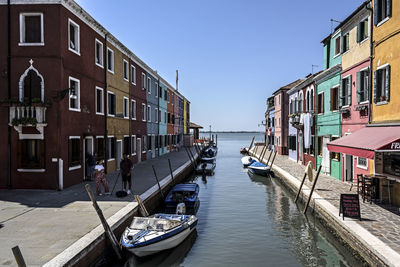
[
  {"x": 126, "y": 168},
  {"x": 91, "y": 163},
  {"x": 101, "y": 179}
]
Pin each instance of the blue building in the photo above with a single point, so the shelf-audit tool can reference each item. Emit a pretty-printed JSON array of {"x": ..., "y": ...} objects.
[
  {"x": 152, "y": 115},
  {"x": 163, "y": 118}
]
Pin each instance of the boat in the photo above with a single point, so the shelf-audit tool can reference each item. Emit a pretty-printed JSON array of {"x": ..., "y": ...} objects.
[
  {"x": 248, "y": 160},
  {"x": 187, "y": 193},
  {"x": 206, "y": 168},
  {"x": 150, "y": 235},
  {"x": 244, "y": 150},
  {"x": 259, "y": 168},
  {"x": 207, "y": 160},
  {"x": 210, "y": 152}
]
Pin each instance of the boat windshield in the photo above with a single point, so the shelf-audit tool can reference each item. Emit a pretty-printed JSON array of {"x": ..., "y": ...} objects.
[{"x": 154, "y": 224}]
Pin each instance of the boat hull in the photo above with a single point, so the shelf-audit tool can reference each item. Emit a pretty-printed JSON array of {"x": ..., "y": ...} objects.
[{"x": 247, "y": 161}]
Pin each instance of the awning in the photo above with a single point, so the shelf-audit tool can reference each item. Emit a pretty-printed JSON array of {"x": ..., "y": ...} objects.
[{"x": 366, "y": 141}]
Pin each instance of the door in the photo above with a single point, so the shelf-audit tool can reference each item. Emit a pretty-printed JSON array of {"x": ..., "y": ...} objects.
[
  {"x": 139, "y": 149},
  {"x": 87, "y": 149},
  {"x": 153, "y": 146},
  {"x": 326, "y": 163},
  {"x": 349, "y": 168},
  {"x": 118, "y": 155},
  {"x": 300, "y": 146}
]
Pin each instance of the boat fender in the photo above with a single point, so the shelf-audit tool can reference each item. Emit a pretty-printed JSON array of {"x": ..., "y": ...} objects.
[{"x": 181, "y": 208}]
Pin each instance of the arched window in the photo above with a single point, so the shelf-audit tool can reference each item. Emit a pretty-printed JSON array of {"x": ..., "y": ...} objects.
[
  {"x": 308, "y": 101},
  {"x": 312, "y": 100},
  {"x": 300, "y": 108},
  {"x": 31, "y": 85}
]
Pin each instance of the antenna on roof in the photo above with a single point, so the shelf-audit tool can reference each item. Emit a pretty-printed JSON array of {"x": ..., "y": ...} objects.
[{"x": 332, "y": 21}]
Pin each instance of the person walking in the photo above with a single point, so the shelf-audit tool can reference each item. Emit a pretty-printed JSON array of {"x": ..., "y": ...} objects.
[
  {"x": 126, "y": 168},
  {"x": 91, "y": 163},
  {"x": 101, "y": 179}
]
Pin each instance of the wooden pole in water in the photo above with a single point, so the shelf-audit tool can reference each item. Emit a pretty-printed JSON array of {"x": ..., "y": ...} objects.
[
  {"x": 158, "y": 182},
  {"x": 301, "y": 185},
  {"x": 194, "y": 160},
  {"x": 194, "y": 168},
  {"x": 270, "y": 154},
  {"x": 255, "y": 149},
  {"x": 107, "y": 229},
  {"x": 273, "y": 159},
  {"x": 18, "y": 256},
  {"x": 265, "y": 151},
  {"x": 143, "y": 209},
  {"x": 312, "y": 190},
  {"x": 251, "y": 144},
  {"x": 170, "y": 170},
  {"x": 262, "y": 151}
]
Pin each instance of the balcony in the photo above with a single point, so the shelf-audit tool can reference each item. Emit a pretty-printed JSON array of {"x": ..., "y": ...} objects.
[{"x": 28, "y": 121}]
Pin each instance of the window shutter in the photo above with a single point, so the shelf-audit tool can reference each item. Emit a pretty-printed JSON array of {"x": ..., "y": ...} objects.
[
  {"x": 376, "y": 12},
  {"x": 331, "y": 99},
  {"x": 387, "y": 83},
  {"x": 366, "y": 90},
  {"x": 341, "y": 97},
  {"x": 389, "y": 8},
  {"x": 375, "y": 88},
  {"x": 359, "y": 30},
  {"x": 359, "y": 81},
  {"x": 349, "y": 87}
]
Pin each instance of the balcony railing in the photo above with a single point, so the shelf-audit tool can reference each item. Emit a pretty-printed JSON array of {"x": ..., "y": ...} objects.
[{"x": 27, "y": 115}]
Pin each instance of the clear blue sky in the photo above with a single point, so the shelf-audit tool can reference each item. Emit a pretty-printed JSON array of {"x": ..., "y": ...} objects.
[{"x": 231, "y": 54}]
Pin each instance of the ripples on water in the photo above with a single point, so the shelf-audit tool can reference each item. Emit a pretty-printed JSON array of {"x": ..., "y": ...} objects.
[{"x": 248, "y": 220}]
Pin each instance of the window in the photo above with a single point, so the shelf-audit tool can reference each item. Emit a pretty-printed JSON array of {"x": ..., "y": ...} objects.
[
  {"x": 310, "y": 100},
  {"x": 300, "y": 107},
  {"x": 99, "y": 101},
  {"x": 345, "y": 92},
  {"x": 31, "y": 154},
  {"x": 156, "y": 89},
  {"x": 159, "y": 116},
  {"x": 362, "y": 30},
  {"x": 292, "y": 143},
  {"x": 148, "y": 113},
  {"x": 73, "y": 37},
  {"x": 345, "y": 43},
  {"x": 149, "y": 85},
  {"x": 133, "y": 74},
  {"x": 160, "y": 91},
  {"x": 320, "y": 103},
  {"x": 156, "y": 115},
  {"x": 320, "y": 138},
  {"x": 74, "y": 94},
  {"x": 337, "y": 46},
  {"x": 391, "y": 163},
  {"x": 149, "y": 142},
  {"x": 382, "y": 84},
  {"x": 143, "y": 112},
  {"x": 31, "y": 29},
  {"x": 133, "y": 144},
  {"x": 382, "y": 10},
  {"x": 125, "y": 70},
  {"x": 127, "y": 145},
  {"x": 173, "y": 119},
  {"x": 165, "y": 95},
  {"x": 144, "y": 142},
  {"x": 334, "y": 98},
  {"x": 362, "y": 85},
  {"x": 98, "y": 53},
  {"x": 74, "y": 152},
  {"x": 169, "y": 117},
  {"x": 111, "y": 148},
  {"x": 165, "y": 117},
  {"x": 100, "y": 147},
  {"x": 110, "y": 60},
  {"x": 334, "y": 155},
  {"x": 143, "y": 81},
  {"x": 310, "y": 150},
  {"x": 362, "y": 163},
  {"x": 133, "y": 106},
  {"x": 126, "y": 108},
  {"x": 111, "y": 103}
]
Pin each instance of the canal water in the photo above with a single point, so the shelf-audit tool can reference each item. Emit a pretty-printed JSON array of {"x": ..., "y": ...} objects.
[{"x": 250, "y": 221}]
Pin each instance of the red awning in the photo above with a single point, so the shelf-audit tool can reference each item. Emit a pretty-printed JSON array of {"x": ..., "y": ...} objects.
[{"x": 364, "y": 142}]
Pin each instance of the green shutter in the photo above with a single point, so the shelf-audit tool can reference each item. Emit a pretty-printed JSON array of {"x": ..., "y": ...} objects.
[
  {"x": 387, "y": 83},
  {"x": 358, "y": 81},
  {"x": 366, "y": 26},
  {"x": 376, "y": 12},
  {"x": 389, "y": 8},
  {"x": 366, "y": 90},
  {"x": 359, "y": 30},
  {"x": 349, "y": 87},
  {"x": 340, "y": 94},
  {"x": 375, "y": 88}
]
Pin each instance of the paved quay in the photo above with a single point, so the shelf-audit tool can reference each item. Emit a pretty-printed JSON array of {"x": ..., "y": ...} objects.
[
  {"x": 45, "y": 223},
  {"x": 379, "y": 229}
]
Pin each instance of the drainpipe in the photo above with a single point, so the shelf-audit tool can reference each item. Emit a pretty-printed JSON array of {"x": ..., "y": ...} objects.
[
  {"x": 105, "y": 106},
  {"x": 371, "y": 58},
  {"x": 158, "y": 116},
  {"x": 9, "y": 184}
]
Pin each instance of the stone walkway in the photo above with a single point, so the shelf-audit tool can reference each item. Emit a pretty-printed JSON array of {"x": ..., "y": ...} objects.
[
  {"x": 43, "y": 223},
  {"x": 380, "y": 222}
]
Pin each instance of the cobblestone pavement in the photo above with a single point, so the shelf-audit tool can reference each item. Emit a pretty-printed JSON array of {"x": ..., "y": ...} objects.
[{"x": 380, "y": 222}]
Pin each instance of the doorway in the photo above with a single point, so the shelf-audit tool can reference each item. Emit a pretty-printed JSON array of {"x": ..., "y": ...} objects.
[
  {"x": 349, "y": 168},
  {"x": 139, "y": 149},
  {"x": 118, "y": 155},
  {"x": 87, "y": 149},
  {"x": 326, "y": 163},
  {"x": 300, "y": 145}
]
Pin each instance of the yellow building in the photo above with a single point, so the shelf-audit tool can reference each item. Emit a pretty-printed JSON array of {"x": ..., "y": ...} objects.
[{"x": 117, "y": 104}]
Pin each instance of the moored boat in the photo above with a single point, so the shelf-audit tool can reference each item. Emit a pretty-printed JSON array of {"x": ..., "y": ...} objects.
[
  {"x": 207, "y": 160},
  {"x": 244, "y": 150},
  {"x": 259, "y": 168},
  {"x": 248, "y": 160},
  {"x": 187, "y": 193},
  {"x": 149, "y": 235},
  {"x": 206, "y": 168}
]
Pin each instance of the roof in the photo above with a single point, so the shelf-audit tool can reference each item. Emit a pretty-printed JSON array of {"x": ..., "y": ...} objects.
[
  {"x": 366, "y": 141},
  {"x": 194, "y": 125},
  {"x": 185, "y": 187},
  {"x": 288, "y": 86}
]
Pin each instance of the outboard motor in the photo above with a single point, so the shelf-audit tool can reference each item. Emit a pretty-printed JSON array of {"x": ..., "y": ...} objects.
[{"x": 181, "y": 208}]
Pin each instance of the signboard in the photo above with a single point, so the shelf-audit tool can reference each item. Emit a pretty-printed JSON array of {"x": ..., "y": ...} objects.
[
  {"x": 395, "y": 146},
  {"x": 350, "y": 206}
]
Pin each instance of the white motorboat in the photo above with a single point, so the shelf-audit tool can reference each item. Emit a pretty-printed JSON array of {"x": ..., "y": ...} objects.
[
  {"x": 149, "y": 235},
  {"x": 259, "y": 168},
  {"x": 248, "y": 160}
]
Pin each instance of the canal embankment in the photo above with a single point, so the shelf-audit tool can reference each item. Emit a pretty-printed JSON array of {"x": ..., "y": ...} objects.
[
  {"x": 61, "y": 228},
  {"x": 374, "y": 238}
]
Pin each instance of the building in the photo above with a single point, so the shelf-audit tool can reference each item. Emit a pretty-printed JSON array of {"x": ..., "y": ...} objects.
[
  {"x": 162, "y": 110},
  {"x": 270, "y": 123},
  {"x": 73, "y": 89}
]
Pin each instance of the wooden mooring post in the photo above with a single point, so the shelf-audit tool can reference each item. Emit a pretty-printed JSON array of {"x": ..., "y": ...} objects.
[
  {"x": 262, "y": 151},
  {"x": 251, "y": 144},
  {"x": 273, "y": 159},
  {"x": 107, "y": 229},
  {"x": 191, "y": 154},
  {"x": 194, "y": 167},
  {"x": 158, "y": 182},
  {"x": 265, "y": 151},
  {"x": 312, "y": 190},
  {"x": 143, "y": 209},
  {"x": 170, "y": 170},
  {"x": 18, "y": 256},
  {"x": 269, "y": 157}
]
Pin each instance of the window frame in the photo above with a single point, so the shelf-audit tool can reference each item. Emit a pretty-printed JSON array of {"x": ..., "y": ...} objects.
[
  {"x": 364, "y": 167},
  {"x": 108, "y": 102},
  {"x": 125, "y": 70},
  {"x": 133, "y": 145},
  {"x": 102, "y": 100},
  {"x": 319, "y": 109},
  {"x": 78, "y": 109},
  {"x": 337, "y": 45},
  {"x": 75, "y": 167},
  {"x": 22, "y": 28},
  {"x": 125, "y": 107},
  {"x": 112, "y": 61},
  {"x": 144, "y": 81},
  {"x": 133, "y": 74},
  {"x": 133, "y": 109},
  {"x": 78, "y": 45},
  {"x": 144, "y": 109},
  {"x": 148, "y": 113},
  {"x": 149, "y": 85},
  {"x": 101, "y": 64}
]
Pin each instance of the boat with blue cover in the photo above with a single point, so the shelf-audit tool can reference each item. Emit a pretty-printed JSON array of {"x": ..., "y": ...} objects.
[
  {"x": 248, "y": 160},
  {"x": 187, "y": 193},
  {"x": 206, "y": 168},
  {"x": 259, "y": 168},
  {"x": 149, "y": 235}
]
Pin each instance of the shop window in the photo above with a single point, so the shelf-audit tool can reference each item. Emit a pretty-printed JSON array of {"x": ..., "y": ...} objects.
[
  {"x": 31, "y": 29},
  {"x": 334, "y": 155},
  {"x": 362, "y": 163},
  {"x": 31, "y": 154},
  {"x": 382, "y": 84},
  {"x": 74, "y": 152},
  {"x": 391, "y": 163}
]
